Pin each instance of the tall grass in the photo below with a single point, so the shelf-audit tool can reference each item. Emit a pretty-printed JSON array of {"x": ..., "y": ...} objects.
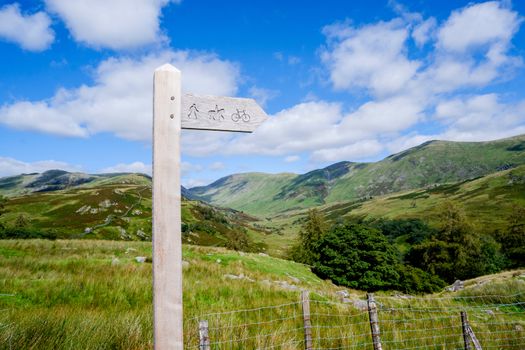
[{"x": 94, "y": 295}]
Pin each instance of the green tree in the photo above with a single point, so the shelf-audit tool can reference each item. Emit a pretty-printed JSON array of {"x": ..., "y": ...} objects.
[
  {"x": 357, "y": 256},
  {"x": 22, "y": 221},
  {"x": 513, "y": 238},
  {"x": 306, "y": 251},
  {"x": 3, "y": 202},
  {"x": 457, "y": 250}
]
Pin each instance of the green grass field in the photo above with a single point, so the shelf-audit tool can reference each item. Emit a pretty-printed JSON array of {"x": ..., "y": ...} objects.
[{"x": 83, "y": 294}]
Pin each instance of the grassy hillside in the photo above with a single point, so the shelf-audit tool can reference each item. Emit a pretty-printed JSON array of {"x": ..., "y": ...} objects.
[
  {"x": 118, "y": 207},
  {"x": 82, "y": 294},
  {"x": 433, "y": 162},
  {"x": 94, "y": 295},
  {"x": 252, "y": 192},
  {"x": 487, "y": 201}
]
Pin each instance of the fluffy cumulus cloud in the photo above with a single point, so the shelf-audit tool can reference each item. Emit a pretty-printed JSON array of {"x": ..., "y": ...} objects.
[
  {"x": 480, "y": 117},
  {"x": 372, "y": 57},
  {"x": 327, "y": 132},
  {"x": 135, "y": 167},
  {"x": 116, "y": 24},
  {"x": 410, "y": 72},
  {"x": 119, "y": 101},
  {"x": 470, "y": 49},
  {"x": 478, "y": 25},
  {"x": 31, "y": 31},
  {"x": 10, "y": 166},
  {"x": 262, "y": 95}
]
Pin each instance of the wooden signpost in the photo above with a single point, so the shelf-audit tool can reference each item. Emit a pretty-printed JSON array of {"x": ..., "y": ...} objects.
[{"x": 172, "y": 112}]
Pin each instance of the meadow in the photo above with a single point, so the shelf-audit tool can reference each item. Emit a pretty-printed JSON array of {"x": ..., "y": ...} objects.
[{"x": 83, "y": 294}]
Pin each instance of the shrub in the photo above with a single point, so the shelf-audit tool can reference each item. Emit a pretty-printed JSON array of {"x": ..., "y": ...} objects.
[{"x": 357, "y": 256}]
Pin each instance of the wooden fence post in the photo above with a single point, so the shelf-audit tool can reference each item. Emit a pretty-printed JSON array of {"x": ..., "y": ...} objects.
[
  {"x": 374, "y": 322},
  {"x": 464, "y": 326},
  {"x": 468, "y": 333},
  {"x": 204, "y": 340},
  {"x": 305, "y": 300}
]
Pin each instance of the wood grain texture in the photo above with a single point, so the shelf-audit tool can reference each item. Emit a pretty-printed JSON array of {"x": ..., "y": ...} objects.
[
  {"x": 374, "y": 322},
  {"x": 464, "y": 326},
  {"x": 167, "y": 252},
  {"x": 221, "y": 113},
  {"x": 307, "y": 324},
  {"x": 204, "y": 340}
]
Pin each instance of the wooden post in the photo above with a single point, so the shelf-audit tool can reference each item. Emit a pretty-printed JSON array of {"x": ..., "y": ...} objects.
[
  {"x": 305, "y": 301},
  {"x": 167, "y": 244},
  {"x": 204, "y": 340},
  {"x": 464, "y": 326},
  {"x": 468, "y": 333},
  {"x": 171, "y": 113},
  {"x": 374, "y": 322},
  {"x": 475, "y": 340}
]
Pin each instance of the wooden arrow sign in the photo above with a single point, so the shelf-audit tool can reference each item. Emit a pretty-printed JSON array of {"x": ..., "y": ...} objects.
[
  {"x": 220, "y": 113},
  {"x": 171, "y": 113}
]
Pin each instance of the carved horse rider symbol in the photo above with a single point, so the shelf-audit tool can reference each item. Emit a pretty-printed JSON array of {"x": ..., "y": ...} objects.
[
  {"x": 193, "y": 111},
  {"x": 216, "y": 114}
]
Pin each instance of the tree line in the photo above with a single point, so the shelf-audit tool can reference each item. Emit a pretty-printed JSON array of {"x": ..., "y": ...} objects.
[{"x": 408, "y": 254}]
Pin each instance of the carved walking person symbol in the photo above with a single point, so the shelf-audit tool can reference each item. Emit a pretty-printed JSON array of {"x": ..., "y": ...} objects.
[{"x": 193, "y": 111}]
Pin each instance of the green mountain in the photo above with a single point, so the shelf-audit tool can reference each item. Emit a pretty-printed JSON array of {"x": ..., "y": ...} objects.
[
  {"x": 60, "y": 204},
  {"x": 431, "y": 163},
  {"x": 487, "y": 201}
]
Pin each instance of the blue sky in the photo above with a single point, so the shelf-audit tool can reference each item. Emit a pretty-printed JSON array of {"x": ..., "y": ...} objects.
[{"x": 341, "y": 80}]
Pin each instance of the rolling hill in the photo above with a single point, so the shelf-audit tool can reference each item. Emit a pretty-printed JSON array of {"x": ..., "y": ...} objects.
[
  {"x": 114, "y": 206},
  {"x": 431, "y": 163}
]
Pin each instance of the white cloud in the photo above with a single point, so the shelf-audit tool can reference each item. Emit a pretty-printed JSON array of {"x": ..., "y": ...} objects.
[
  {"x": 10, "y": 166},
  {"x": 119, "y": 101},
  {"x": 261, "y": 95},
  {"x": 188, "y": 167},
  {"x": 386, "y": 116},
  {"x": 216, "y": 166},
  {"x": 306, "y": 126},
  {"x": 115, "y": 24},
  {"x": 190, "y": 183},
  {"x": 422, "y": 32},
  {"x": 292, "y": 158},
  {"x": 407, "y": 141},
  {"x": 473, "y": 118},
  {"x": 371, "y": 57},
  {"x": 293, "y": 60},
  {"x": 355, "y": 151},
  {"x": 478, "y": 25},
  {"x": 471, "y": 49},
  {"x": 329, "y": 134},
  {"x": 135, "y": 167},
  {"x": 481, "y": 117},
  {"x": 31, "y": 32}
]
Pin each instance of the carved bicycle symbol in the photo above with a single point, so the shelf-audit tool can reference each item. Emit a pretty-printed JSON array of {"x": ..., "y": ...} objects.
[
  {"x": 241, "y": 115},
  {"x": 216, "y": 114},
  {"x": 193, "y": 111}
]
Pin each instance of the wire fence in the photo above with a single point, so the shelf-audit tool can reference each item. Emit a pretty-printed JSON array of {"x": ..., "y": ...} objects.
[{"x": 380, "y": 322}]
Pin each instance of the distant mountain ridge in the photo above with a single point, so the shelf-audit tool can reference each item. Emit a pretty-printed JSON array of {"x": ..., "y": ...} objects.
[
  {"x": 56, "y": 180},
  {"x": 260, "y": 194},
  {"x": 431, "y": 163}
]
